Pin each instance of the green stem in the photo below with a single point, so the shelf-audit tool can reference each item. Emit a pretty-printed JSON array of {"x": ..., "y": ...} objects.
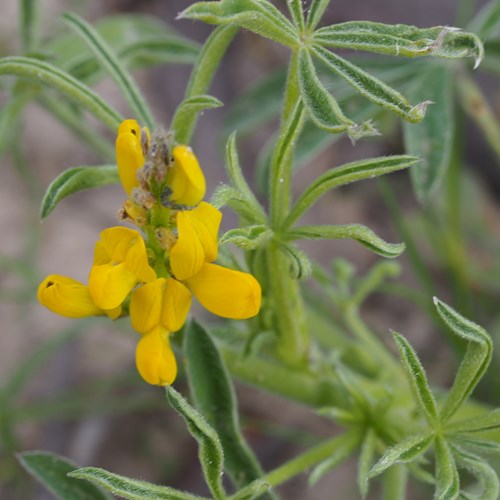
[
  {"x": 394, "y": 483},
  {"x": 288, "y": 307},
  {"x": 350, "y": 440},
  {"x": 29, "y": 23}
]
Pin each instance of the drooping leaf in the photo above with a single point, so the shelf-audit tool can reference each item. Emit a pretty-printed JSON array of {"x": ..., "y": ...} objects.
[
  {"x": 482, "y": 471},
  {"x": 50, "y": 76},
  {"x": 345, "y": 174},
  {"x": 447, "y": 480},
  {"x": 210, "y": 450},
  {"x": 260, "y": 17},
  {"x": 431, "y": 139},
  {"x": 214, "y": 396},
  {"x": 108, "y": 58},
  {"x": 77, "y": 179},
  {"x": 357, "y": 232},
  {"x": 417, "y": 378},
  {"x": 403, "y": 452},
  {"x": 300, "y": 264},
  {"x": 475, "y": 362},
  {"x": 126, "y": 487},
  {"x": 52, "y": 471},
  {"x": 401, "y": 40},
  {"x": 370, "y": 87}
]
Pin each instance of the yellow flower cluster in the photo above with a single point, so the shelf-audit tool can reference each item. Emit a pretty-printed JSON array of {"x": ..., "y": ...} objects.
[{"x": 153, "y": 280}]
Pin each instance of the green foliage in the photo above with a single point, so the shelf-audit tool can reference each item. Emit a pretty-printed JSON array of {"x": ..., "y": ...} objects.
[
  {"x": 210, "y": 448},
  {"x": 52, "y": 471},
  {"x": 76, "y": 179}
]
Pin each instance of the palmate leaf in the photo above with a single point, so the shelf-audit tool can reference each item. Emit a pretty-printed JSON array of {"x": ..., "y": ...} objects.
[
  {"x": 52, "y": 471},
  {"x": 214, "y": 396},
  {"x": 370, "y": 87},
  {"x": 254, "y": 15},
  {"x": 401, "y": 40},
  {"x": 77, "y": 179},
  {"x": 432, "y": 139}
]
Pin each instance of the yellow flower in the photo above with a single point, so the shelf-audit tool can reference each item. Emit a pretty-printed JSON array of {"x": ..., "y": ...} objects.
[
  {"x": 154, "y": 358},
  {"x": 120, "y": 263},
  {"x": 185, "y": 178},
  {"x": 68, "y": 297},
  {"x": 224, "y": 292},
  {"x": 129, "y": 155}
]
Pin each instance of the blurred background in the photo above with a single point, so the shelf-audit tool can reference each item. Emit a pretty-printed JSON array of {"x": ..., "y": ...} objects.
[{"x": 70, "y": 386}]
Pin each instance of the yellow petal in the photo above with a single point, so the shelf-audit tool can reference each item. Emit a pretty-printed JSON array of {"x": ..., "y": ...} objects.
[
  {"x": 109, "y": 285},
  {"x": 137, "y": 263},
  {"x": 154, "y": 358},
  {"x": 175, "y": 306},
  {"x": 205, "y": 220},
  {"x": 145, "y": 306},
  {"x": 129, "y": 155},
  {"x": 67, "y": 297},
  {"x": 225, "y": 292},
  {"x": 187, "y": 255},
  {"x": 186, "y": 178}
]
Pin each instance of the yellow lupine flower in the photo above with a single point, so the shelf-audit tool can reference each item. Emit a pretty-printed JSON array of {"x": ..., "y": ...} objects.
[
  {"x": 120, "y": 263},
  {"x": 186, "y": 179},
  {"x": 163, "y": 302},
  {"x": 224, "y": 292},
  {"x": 154, "y": 358},
  {"x": 129, "y": 155},
  {"x": 68, "y": 297}
]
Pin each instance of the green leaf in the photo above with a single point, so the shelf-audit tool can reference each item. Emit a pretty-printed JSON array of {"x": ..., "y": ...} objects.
[
  {"x": 77, "y": 179},
  {"x": 227, "y": 195},
  {"x": 52, "y": 471},
  {"x": 480, "y": 423},
  {"x": 486, "y": 23},
  {"x": 475, "y": 362},
  {"x": 345, "y": 174},
  {"x": 29, "y": 20},
  {"x": 281, "y": 164},
  {"x": 417, "y": 378},
  {"x": 191, "y": 107},
  {"x": 401, "y": 40},
  {"x": 214, "y": 396},
  {"x": 210, "y": 450},
  {"x": 296, "y": 11},
  {"x": 370, "y": 87},
  {"x": 254, "y": 490},
  {"x": 50, "y": 76},
  {"x": 431, "y": 140},
  {"x": 125, "y": 487},
  {"x": 300, "y": 264},
  {"x": 447, "y": 480},
  {"x": 324, "y": 110},
  {"x": 486, "y": 476},
  {"x": 356, "y": 232},
  {"x": 254, "y": 15},
  {"x": 108, "y": 58},
  {"x": 366, "y": 460},
  {"x": 201, "y": 77},
  {"x": 481, "y": 445},
  {"x": 403, "y": 452},
  {"x": 316, "y": 11},
  {"x": 238, "y": 180},
  {"x": 247, "y": 237},
  {"x": 345, "y": 445}
]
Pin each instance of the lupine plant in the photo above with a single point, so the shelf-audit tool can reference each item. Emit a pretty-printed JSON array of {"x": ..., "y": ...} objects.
[{"x": 305, "y": 343}]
